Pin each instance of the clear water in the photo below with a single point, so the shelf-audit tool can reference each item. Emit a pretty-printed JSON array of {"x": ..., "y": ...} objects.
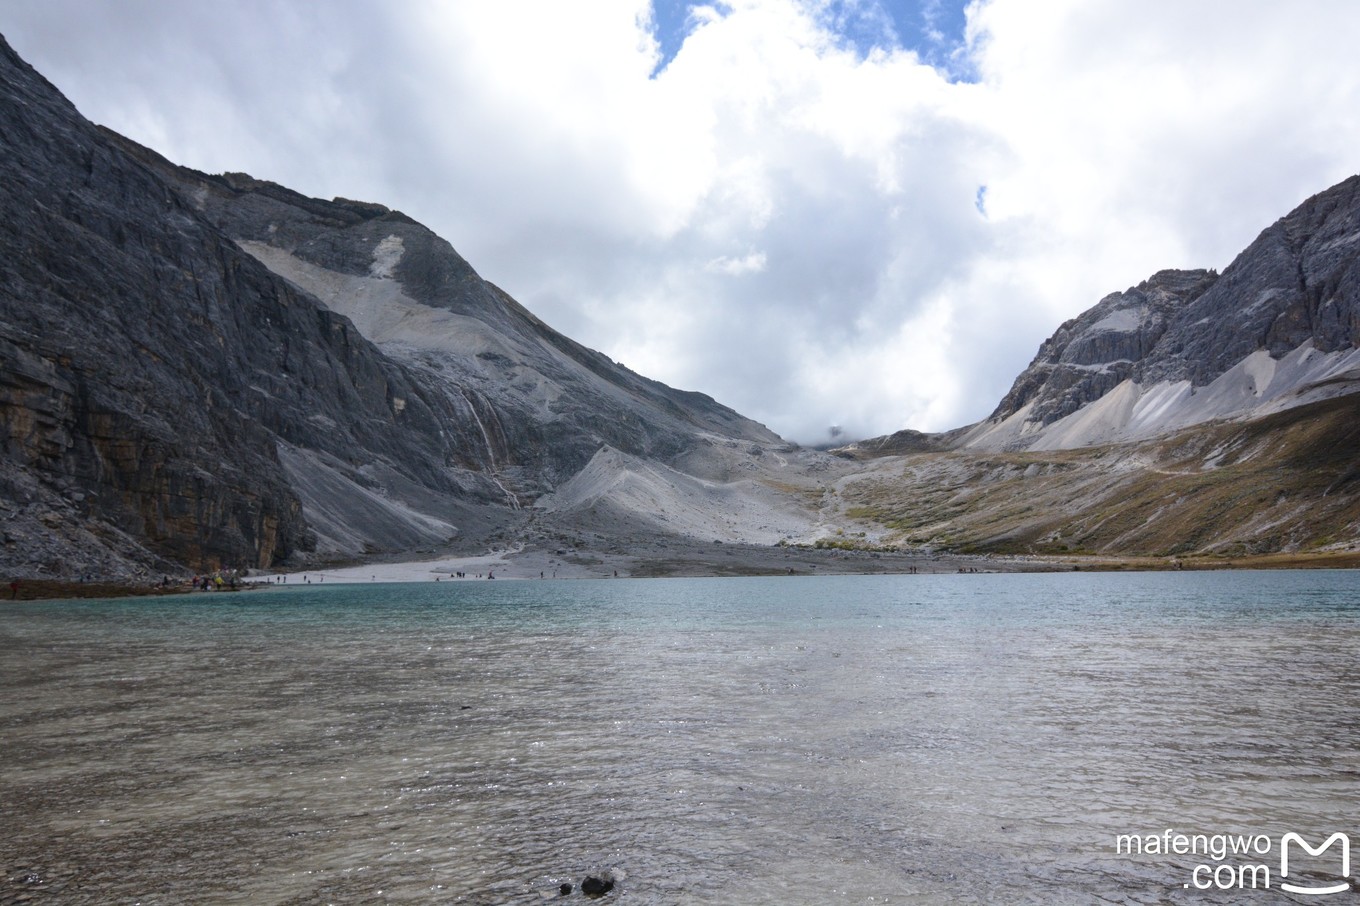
[{"x": 913, "y": 739}]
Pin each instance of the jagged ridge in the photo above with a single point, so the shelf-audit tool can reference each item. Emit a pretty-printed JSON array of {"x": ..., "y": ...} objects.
[{"x": 1279, "y": 328}]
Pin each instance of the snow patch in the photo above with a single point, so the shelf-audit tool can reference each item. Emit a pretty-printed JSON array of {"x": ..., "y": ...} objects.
[
  {"x": 385, "y": 257},
  {"x": 1259, "y": 368}
]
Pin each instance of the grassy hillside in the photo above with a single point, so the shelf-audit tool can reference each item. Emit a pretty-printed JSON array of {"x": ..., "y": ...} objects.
[{"x": 1285, "y": 484}]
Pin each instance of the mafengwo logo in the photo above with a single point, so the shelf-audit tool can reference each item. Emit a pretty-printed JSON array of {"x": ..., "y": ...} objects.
[
  {"x": 1239, "y": 861},
  {"x": 1341, "y": 887}
]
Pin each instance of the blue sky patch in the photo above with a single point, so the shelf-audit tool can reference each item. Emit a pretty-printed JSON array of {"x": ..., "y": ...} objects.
[{"x": 932, "y": 28}]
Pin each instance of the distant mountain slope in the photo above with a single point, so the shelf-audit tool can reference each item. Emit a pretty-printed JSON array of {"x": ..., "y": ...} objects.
[
  {"x": 212, "y": 370},
  {"x": 1192, "y": 415},
  {"x": 1278, "y": 329},
  {"x": 1285, "y": 483}
]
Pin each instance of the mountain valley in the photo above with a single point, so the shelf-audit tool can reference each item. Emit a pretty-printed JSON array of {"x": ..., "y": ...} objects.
[{"x": 200, "y": 372}]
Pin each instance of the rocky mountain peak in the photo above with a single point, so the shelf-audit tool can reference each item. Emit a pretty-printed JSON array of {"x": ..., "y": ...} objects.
[
  {"x": 1093, "y": 353},
  {"x": 1280, "y": 327}
]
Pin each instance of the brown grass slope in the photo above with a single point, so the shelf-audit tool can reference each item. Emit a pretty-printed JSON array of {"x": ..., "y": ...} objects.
[{"x": 1286, "y": 483}]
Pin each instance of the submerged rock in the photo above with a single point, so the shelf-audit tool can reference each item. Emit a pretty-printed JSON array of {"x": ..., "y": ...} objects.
[{"x": 594, "y": 886}]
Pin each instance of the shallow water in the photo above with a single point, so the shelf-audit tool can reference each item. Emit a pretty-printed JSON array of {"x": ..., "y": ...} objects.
[{"x": 912, "y": 739}]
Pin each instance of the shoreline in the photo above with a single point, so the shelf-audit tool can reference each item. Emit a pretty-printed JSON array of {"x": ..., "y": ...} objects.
[
  {"x": 716, "y": 561},
  {"x": 728, "y": 560}
]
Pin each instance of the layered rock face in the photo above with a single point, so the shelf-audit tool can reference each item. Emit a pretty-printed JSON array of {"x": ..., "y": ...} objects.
[
  {"x": 1280, "y": 327},
  {"x": 183, "y": 381},
  {"x": 1090, "y": 355},
  {"x": 124, "y": 323}
]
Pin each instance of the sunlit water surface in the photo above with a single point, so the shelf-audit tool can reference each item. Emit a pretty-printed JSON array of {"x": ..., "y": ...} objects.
[{"x": 912, "y": 739}]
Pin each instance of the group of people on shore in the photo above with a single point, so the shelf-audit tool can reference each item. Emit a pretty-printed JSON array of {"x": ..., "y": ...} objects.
[{"x": 223, "y": 580}]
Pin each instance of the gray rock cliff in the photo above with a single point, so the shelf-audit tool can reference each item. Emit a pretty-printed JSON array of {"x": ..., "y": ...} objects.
[
  {"x": 1090, "y": 355},
  {"x": 1279, "y": 323},
  {"x": 175, "y": 390}
]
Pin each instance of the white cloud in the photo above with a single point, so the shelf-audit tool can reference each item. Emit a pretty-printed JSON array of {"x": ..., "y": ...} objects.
[
  {"x": 752, "y": 263},
  {"x": 773, "y": 218}
]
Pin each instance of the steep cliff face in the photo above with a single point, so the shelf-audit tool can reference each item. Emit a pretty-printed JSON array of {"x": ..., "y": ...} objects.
[
  {"x": 1092, "y": 354},
  {"x": 1278, "y": 329},
  {"x": 534, "y": 405},
  {"x": 167, "y": 397},
  {"x": 109, "y": 289},
  {"x": 1298, "y": 283}
]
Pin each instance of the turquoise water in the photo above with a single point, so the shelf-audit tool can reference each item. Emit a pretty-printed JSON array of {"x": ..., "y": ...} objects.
[{"x": 911, "y": 739}]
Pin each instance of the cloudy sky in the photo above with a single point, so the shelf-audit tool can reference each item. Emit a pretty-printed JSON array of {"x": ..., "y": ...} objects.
[{"x": 858, "y": 213}]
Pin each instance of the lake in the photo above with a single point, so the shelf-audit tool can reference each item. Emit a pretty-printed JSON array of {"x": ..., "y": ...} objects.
[{"x": 889, "y": 739}]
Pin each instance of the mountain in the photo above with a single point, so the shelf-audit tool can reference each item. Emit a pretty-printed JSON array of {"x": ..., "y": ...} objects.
[
  {"x": 1279, "y": 328},
  {"x": 208, "y": 370},
  {"x": 524, "y": 408},
  {"x": 1193, "y": 414},
  {"x": 204, "y": 370}
]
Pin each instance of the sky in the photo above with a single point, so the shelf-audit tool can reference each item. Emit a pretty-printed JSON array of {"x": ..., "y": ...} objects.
[{"x": 841, "y": 218}]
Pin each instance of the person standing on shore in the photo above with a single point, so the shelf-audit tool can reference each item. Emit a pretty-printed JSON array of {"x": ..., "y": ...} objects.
[{"x": 14, "y": 590}]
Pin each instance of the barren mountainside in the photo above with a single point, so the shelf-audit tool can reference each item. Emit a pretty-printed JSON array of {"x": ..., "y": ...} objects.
[
  {"x": 201, "y": 370},
  {"x": 207, "y": 371},
  {"x": 1279, "y": 328},
  {"x": 1195, "y": 414}
]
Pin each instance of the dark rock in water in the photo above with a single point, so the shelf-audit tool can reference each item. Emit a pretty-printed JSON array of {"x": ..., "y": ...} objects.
[
  {"x": 597, "y": 887},
  {"x": 565, "y": 889}
]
